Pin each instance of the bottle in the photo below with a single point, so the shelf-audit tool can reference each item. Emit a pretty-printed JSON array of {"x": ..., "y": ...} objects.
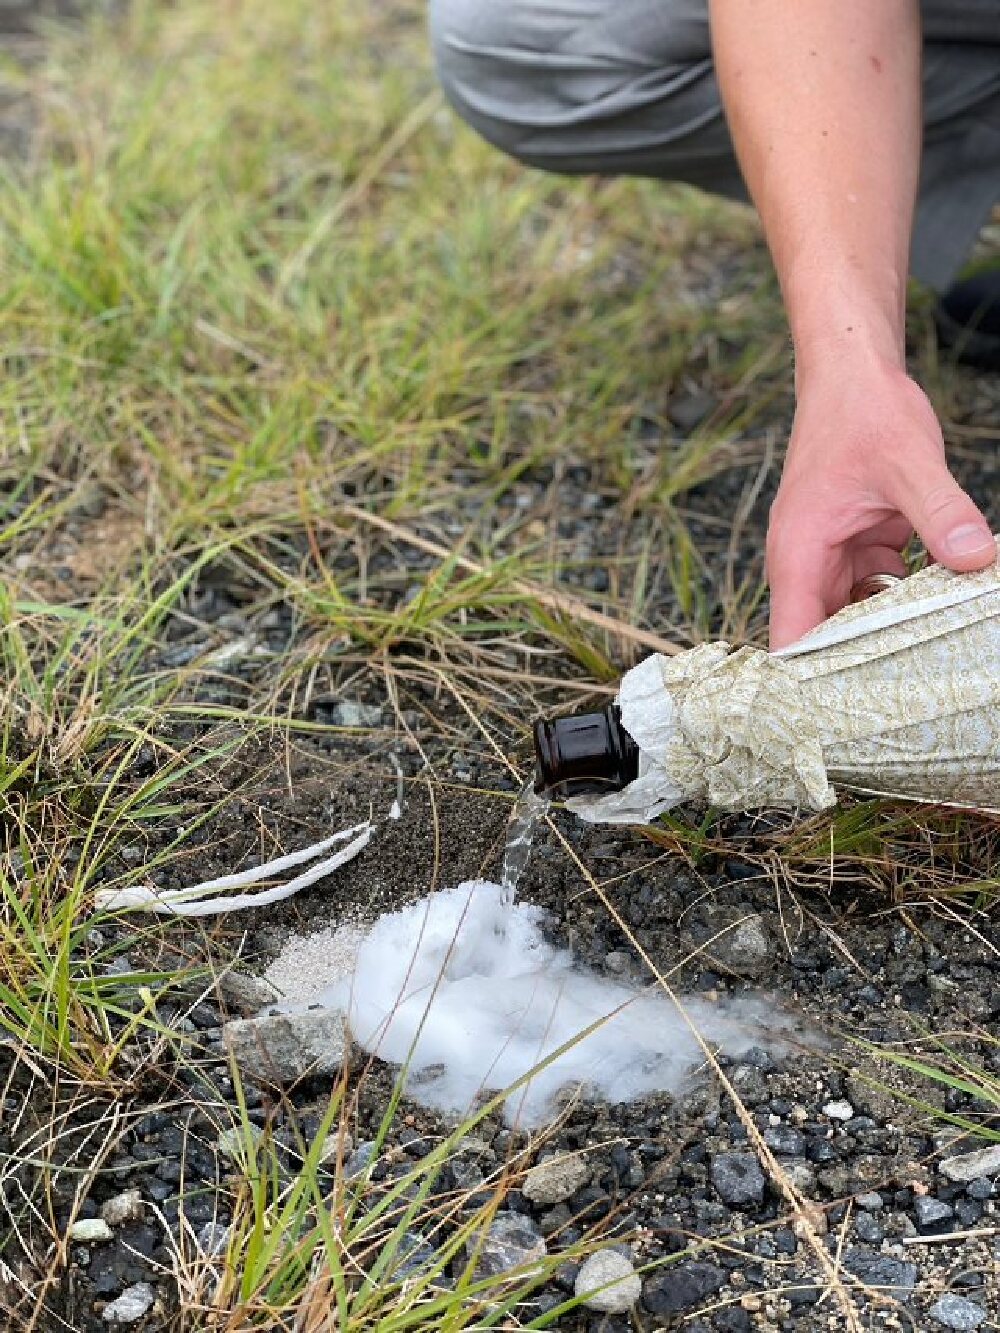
[
  {"x": 586, "y": 754},
  {"x": 897, "y": 695}
]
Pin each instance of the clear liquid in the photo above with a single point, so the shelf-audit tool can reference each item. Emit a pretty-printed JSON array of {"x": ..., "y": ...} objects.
[{"x": 528, "y": 812}]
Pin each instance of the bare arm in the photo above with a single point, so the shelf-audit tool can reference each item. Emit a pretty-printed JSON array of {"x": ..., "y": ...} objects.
[{"x": 823, "y": 101}]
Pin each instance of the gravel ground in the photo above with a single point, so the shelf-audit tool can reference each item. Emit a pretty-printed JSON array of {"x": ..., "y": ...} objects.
[{"x": 665, "y": 1177}]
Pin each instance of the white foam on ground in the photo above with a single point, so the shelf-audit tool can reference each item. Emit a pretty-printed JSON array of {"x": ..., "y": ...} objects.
[{"x": 467, "y": 992}]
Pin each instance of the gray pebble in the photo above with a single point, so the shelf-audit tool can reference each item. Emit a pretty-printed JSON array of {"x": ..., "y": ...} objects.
[
  {"x": 607, "y": 1282},
  {"x": 957, "y": 1313},
  {"x": 933, "y": 1215},
  {"x": 969, "y": 1166},
  {"x": 881, "y": 1270},
  {"x": 839, "y": 1110},
  {"x": 213, "y": 1238},
  {"x": 512, "y": 1242},
  {"x": 554, "y": 1179},
  {"x": 870, "y": 1202},
  {"x": 737, "y": 1178},
  {"x": 91, "y": 1231},
  {"x": 232, "y": 1143},
  {"x": 981, "y": 1189},
  {"x": 131, "y": 1305},
  {"x": 281, "y": 1048},
  {"x": 125, "y": 1207}
]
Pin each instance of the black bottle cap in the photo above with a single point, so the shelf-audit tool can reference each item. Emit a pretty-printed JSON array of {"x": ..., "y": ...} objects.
[{"x": 583, "y": 755}]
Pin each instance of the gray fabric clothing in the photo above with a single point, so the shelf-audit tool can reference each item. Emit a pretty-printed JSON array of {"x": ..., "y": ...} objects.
[{"x": 628, "y": 87}]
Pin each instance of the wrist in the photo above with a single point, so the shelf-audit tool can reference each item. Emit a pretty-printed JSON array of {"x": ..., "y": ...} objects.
[{"x": 847, "y": 325}]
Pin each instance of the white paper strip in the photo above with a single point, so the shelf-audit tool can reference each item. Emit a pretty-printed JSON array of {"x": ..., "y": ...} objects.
[{"x": 198, "y": 900}]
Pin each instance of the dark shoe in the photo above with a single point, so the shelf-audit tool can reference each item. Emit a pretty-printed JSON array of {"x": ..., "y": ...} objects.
[{"x": 968, "y": 320}]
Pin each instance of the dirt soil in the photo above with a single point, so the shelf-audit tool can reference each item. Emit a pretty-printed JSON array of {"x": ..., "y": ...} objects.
[{"x": 849, "y": 961}]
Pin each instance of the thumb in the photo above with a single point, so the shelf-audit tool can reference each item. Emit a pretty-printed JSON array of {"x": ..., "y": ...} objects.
[{"x": 948, "y": 522}]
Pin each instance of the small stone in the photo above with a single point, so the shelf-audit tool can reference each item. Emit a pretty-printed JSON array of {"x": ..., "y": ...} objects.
[
  {"x": 682, "y": 1287},
  {"x": 554, "y": 1179},
  {"x": 970, "y": 1166},
  {"x": 785, "y": 1140},
  {"x": 246, "y": 993},
  {"x": 802, "y": 1296},
  {"x": 607, "y": 1282},
  {"x": 131, "y": 1305},
  {"x": 957, "y": 1313},
  {"x": 745, "y": 948},
  {"x": 413, "y": 1255},
  {"x": 687, "y": 411},
  {"x": 555, "y": 1220},
  {"x": 750, "y": 1082},
  {"x": 980, "y": 1188},
  {"x": 125, "y": 1207},
  {"x": 360, "y": 1160},
  {"x": 932, "y": 1215},
  {"x": 213, "y": 1238},
  {"x": 512, "y": 1242},
  {"x": 351, "y": 714},
  {"x": 968, "y": 1213},
  {"x": 840, "y": 1110},
  {"x": 737, "y": 1178},
  {"x": 282, "y": 1048},
  {"x": 91, "y": 1230},
  {"x": 232, "y": 1143},
  {"x": 871, "y": 1202},
  {"x": 868, "y": 1229},
  {"x": 881, "y": 1270},
  {"x": 801, "y": 1174},
  {"x": 88, "y": 501}
]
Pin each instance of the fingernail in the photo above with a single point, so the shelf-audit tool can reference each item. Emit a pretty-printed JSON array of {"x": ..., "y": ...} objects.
[{"x": 968, "y": 539}]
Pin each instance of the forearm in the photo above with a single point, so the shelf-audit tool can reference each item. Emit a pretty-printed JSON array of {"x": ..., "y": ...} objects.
[{"x": 823, "y": 102}]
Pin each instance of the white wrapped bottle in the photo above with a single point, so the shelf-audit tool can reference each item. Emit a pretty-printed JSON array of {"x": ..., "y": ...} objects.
[{"x": 898, "y": 695}]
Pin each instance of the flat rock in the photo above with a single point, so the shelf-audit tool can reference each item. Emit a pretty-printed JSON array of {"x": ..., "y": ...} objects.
[
  {"x": 554, "y": 1179},
  {"x": 282, "y": 1048},
  {"x": 682, "y": 1287},
  {"x": 744, "y": 948},
  {"x": 124, "y": 1207},
  {"x": 839, "y": 1110},
  {"x": 91, "y": 1231},
  {"x": 881, "y": 1270},
  {"x": 968, "y": 1166},
  {"x": 958, "y": 1313},
  {"x": 933, "y": 1215},
  {"x": 608, "y": 1282},
  {"x": 246, "y": 993},
  {"x": 737, "y": 1178},
  {"x": 130, "y": 1306},
  {"x": 512, "y": 1242}
]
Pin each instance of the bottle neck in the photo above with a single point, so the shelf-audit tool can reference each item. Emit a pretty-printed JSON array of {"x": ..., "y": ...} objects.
[{"x": 583, "y": 755}]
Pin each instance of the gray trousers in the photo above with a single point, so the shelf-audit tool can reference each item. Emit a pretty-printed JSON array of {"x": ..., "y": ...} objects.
[{"x": 627, "y": 87}]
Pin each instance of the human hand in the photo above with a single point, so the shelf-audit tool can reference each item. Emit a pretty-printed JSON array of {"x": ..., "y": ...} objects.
[{"x": 865, "y": 467}]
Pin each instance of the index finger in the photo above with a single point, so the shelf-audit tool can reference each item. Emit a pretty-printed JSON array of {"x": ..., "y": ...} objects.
[{"x": 800, "y": 581}]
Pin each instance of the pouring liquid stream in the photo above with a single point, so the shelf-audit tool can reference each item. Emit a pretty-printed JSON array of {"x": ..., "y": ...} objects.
[{"x": 528, "y": 812}]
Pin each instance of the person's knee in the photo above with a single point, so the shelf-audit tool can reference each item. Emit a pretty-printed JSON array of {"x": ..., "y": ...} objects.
[
  {"x": 473, "y": 42},
  {"x": 612, "y": 86}
]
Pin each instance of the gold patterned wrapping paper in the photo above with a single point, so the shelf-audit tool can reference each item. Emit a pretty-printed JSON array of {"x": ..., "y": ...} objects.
[{"x": 897, "y": 695}]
